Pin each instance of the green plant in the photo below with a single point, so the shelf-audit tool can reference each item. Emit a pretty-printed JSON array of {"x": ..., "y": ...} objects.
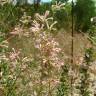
[
  {"x": 92, "y": 34},
  {"x": 64, "y": 87},
  {"x": 12, "y": 68},
  {"x": 9, "y": 16},
  {"x": 84, "y": 10},
  {"x": 60, "y": 12},
  {"x": 85, "y": 75}
]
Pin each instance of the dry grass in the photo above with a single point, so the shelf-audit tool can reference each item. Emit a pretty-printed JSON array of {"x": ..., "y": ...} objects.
[
  {"x": 81, "y": 42},
  {"x": 64, "y": 38}
]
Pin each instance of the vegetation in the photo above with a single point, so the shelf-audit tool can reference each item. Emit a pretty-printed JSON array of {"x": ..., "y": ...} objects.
[
  {"x": 64, "y": 87},
  {"x": 33, "y": 61},
  {"x": 85, "y": 75},
  {"x": 84, "y": 10}
]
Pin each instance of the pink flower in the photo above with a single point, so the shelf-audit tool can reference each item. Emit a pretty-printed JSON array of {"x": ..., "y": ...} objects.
[
  {"x": 54, "y": 81},
  {"x": 14, "y": 55}
]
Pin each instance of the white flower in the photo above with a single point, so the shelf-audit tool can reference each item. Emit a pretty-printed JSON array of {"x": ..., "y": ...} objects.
[{"x": 58, "y": 6}]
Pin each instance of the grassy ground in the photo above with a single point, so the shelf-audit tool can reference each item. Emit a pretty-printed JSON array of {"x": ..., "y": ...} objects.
[{"x": 81, "y": 42}]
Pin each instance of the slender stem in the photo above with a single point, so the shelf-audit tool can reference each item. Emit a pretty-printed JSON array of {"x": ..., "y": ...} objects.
[
  {"x": 41, "y": 77},
  {"x": 49, "y": 73},
  {"x": 72, "y": 49}
]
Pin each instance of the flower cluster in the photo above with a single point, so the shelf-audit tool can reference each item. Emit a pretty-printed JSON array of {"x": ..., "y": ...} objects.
[
  {"x": 48, "y": 50},
  {"x": 2, "y": 2},
  {"x": 25, "y": 20},
  {"x": 58, "y": 6},
  {"x": 46, "y": 21},
  {"x": 20, "y": 31},
  {"x": 44, "y": 41}
]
